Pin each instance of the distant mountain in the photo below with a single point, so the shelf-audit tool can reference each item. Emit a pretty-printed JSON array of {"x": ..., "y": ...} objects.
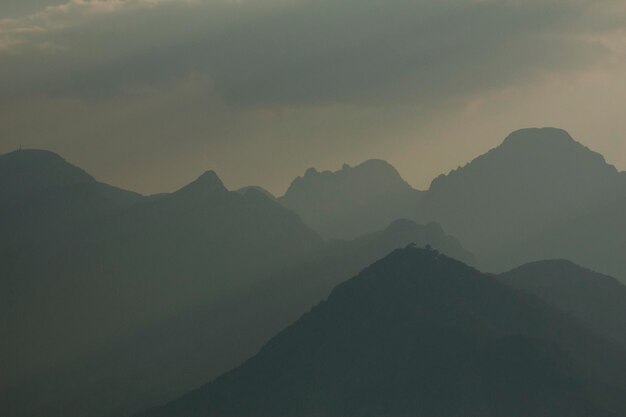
[
  {"x": 209, "y": 338},
  {"x": 596, "y": 239},
  {"x": 419, "y": 334},
  {"x": 536, "y": 179},
  {"x": 26, "y": 174},
  {"x": 42, "y": 197},
  {"x": 595, "y": 299},
  {"x": 244, "y": 190},
  {"x": 352, "y": 201},
  {"x": 132, "y": 266},
  {"x": 402, "y": 232}
]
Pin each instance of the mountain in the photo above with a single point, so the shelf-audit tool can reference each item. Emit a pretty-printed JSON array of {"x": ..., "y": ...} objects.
[
  {"x": 211, "y": 337},
  {"x": 420, "y": 334},
  {"x": 133, "y": 266},
  {"x": 42, "y": 196},
  {"x": 595, "y": 299},
  {"x": 595, "y": 239},
  {"x": 244, "y": 190},
  {"x": 26, "y": 174},
  {"x": 352, "y": 201},
  {"x": 536, "y": 179}
]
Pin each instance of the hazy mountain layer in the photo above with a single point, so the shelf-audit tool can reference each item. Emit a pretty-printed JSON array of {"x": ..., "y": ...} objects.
[
  {"x": 42, "y": 197},
  {"x": 104, "y": 276},
  {"x": 536, "y": 179},
  {"x": 103, "y": 281},
  {"x": 596, "y": 240},
  {"x": 595, "y": 299},
  {"x": 352, "y": 201},
  {"x": 419, "y": 334}
]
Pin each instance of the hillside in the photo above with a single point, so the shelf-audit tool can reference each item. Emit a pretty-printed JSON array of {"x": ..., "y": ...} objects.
[{"x": 420, "y": 334}]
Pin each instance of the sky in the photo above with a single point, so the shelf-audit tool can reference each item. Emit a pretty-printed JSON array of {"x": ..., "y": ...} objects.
[{"x": 148, "y": 94}]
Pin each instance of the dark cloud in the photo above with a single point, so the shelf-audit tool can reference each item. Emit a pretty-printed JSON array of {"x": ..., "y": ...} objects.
[{"x": 312, "y": 52}]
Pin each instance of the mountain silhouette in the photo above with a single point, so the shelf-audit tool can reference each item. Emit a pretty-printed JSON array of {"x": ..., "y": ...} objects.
[
  {"x": 595, "y": 299},
  {"x": 256, "y": 188},
  {"x": 420, "y": 334},
  {"x": 27, "y": 173},
  {"x": 42, "y": 196},
  {"x": 595, "y": 239},
  {"x": 352, "y": 201},
  {"x": 535, "y": 179},
  {"x": 103, "y": 276},
  {"x": 112, "y": 272},
  {"x": 210, "y": 337}
]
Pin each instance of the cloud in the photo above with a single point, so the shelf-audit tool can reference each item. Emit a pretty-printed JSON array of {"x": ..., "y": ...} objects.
[
  {"x": 30, "y": 28},
  {"x": 281, "y": 52},
  {"x": 317, "y": 81}
]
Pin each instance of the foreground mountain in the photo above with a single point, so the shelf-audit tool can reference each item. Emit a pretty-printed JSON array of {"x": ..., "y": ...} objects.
[
  {"x": 208, "y": 338},
  {"x": 352, "y": 201},
  {"x": 419, "y": 334},
  {"x": 595, "y": 299},
  {"x": 536, "y": 179},
  {"x": 102, "y": 277}
]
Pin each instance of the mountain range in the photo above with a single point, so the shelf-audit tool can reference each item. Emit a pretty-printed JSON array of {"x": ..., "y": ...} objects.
[
  {"x": 539, "y": 194},
  {"x": 116, "y": 278},
  {"x": 352, "y": 201},
  {"x": 140, "y": 299},
  {"x": 420, "y": 334}
]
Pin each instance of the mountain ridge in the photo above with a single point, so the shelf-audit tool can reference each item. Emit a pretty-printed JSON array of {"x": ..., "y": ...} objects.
[
  {"x": 418, "y": 333},
  {"x": 353, "y": 200}
]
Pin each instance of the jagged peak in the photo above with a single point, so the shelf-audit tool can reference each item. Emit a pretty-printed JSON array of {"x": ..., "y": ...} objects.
[
  {"x": 532, "y": 144},
  {"x": 377, "y": 167}
]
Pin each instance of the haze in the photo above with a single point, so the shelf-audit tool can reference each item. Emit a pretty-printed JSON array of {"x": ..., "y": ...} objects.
[{"x": 147, "y": 94}]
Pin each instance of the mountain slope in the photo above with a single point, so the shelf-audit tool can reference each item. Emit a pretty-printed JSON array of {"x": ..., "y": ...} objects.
[
  {"x": 43, "y": 197},
  {"x": 136, "y": 265},
  {"x": 27, "y": 173},
  {"x": 535, "y": 179},
  {"x": 420, "y": 334},
  {"x": 352, "y": 201},
  {"x": 210, "y": 338},
  {"x": 596, "y": 240},
  {"x": 595, "y": 299}
]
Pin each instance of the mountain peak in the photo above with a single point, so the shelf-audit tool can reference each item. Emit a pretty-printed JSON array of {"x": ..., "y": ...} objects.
[
  {"x": 539, "y": 135},
  {"x": 536, "y": 176},
  {"x": 376, "y": 163},
  {"x": 255, "y": 190},
  {"x": 26, "y": 174},
  {"x": 352, "y": 200},
  {"x": 208, "y": 182},
  {"x": 210, "y": 178},
  {"x": 46, "y": 164},
  {"x": 410, "y": 335}
]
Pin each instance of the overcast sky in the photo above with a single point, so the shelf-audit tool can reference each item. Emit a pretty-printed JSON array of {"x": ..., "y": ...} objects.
[{"x": 148, "y": 94}]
